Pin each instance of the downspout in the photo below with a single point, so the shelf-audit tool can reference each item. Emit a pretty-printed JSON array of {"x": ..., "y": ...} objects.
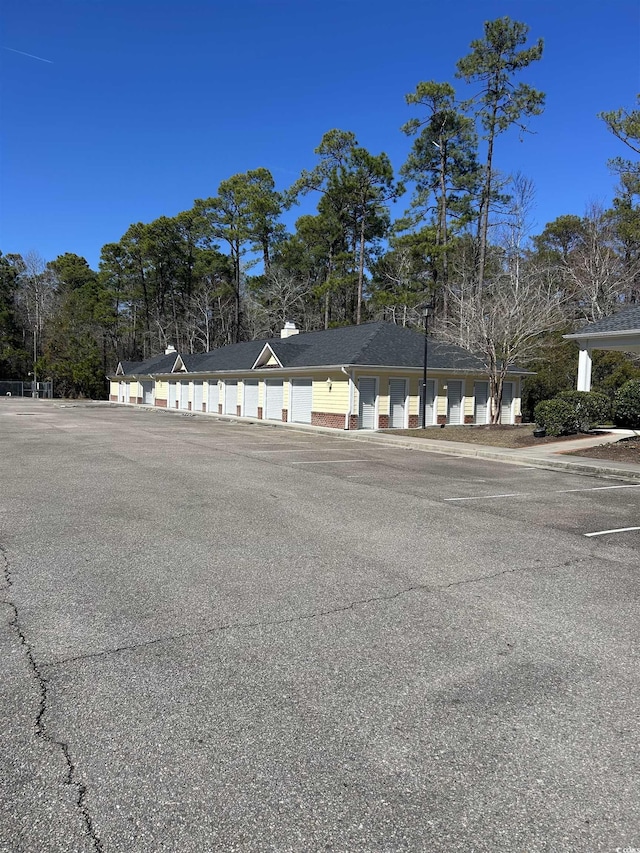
[{"x": 347, "y": 417}]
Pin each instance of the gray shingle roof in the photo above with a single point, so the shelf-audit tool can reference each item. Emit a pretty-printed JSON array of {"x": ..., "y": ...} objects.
[
  {"x": 156, "y": 364},
  {"x": 373, "y": 344},
  {"x": 627, "y": 320}
]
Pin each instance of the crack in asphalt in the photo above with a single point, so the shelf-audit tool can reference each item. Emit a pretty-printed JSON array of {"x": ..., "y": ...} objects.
[
  {"x": 40, "y": 727},
  {"x": 303, "y": 617}
]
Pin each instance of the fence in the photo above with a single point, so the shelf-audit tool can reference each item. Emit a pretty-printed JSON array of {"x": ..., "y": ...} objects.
[{"x": 10, "y": 388}]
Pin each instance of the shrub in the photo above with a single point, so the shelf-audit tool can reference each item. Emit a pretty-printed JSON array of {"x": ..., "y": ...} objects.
[
  {"x": 557, "y": 417},
  {"x": 590, "y": 407},
  {"x": 626, "y": 405}
]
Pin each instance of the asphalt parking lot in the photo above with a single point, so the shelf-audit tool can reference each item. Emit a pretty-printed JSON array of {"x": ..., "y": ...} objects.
[{"x": 231, "y": 637}]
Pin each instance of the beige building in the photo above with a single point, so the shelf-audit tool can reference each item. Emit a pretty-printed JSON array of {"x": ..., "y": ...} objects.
[{"x": 356, "y": 377}]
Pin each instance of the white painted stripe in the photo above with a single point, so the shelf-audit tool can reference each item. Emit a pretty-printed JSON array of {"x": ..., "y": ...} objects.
[
  {"x": 599, "y": 489},
  {"x": 330, "y": 461},
  {"x": 298, "y": 450},
  {"x": 488, "y": 497},
  {"x": 619, "y": 530},
  {"x": 558, "y": 492}
]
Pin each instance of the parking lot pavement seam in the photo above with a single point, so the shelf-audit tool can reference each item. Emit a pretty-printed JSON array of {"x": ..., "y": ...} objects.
[
  {"x": 303, "y": 617},
  {"x": 39, "y": 725}
]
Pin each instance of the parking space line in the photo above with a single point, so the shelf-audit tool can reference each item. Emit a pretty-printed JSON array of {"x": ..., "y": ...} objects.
[
  {"x": 330, "y": 461},
  {"x": 298, "y": 450},
  {"x": 488, "y": 497},
  {"x": 600, "y": 488},
  {"x": 618, "y": 530}
]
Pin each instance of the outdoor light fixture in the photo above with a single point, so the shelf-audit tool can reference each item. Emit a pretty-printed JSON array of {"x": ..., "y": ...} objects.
[
  {"x": 329, "y": 383},
  {"x": 427, "y": 310}
]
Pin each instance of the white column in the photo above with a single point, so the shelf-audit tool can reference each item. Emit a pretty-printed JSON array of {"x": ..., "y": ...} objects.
[{"x": 584, "y": 370}]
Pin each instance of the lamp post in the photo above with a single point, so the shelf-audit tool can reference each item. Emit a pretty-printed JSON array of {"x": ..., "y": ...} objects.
[{"x": 426, "y": 311}]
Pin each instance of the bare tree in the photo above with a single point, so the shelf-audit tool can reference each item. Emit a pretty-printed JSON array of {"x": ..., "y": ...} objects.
[
  {"x": 505, "y": 323},
  {"x": 595, "y": 271}
]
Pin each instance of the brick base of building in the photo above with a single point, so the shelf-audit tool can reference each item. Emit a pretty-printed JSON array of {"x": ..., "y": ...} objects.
[
  {"x": 414, "y": 421},
  {"x": 189, "y": 406},
  {"x": 259, "y": 413},
  {"x": 113, "y": 398},
  {"x": 442, "y": 419},
  {"x": 353, "y": 422},
  {"x": 383, "y": 421},
  {"x": 285, "y": 415},
  {"x": 518, "y": 419},
  {"x": 238, "y": 410},
  {"x": 161, "y": 404},
  {"x": 219, "y": 408},
  {"x": 327, "y": 419},
  {"x": 468, "y": 419}
]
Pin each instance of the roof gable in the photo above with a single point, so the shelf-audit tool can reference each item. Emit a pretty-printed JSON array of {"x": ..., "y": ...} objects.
[{"x": 267, "y": 358}]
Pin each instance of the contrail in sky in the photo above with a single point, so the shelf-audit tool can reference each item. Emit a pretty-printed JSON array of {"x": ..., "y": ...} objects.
[{"x": 50, "y": 61}]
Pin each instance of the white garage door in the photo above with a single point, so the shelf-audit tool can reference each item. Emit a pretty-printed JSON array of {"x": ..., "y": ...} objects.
[
  {"x": 147, "y": 392},
  {"x": 506, "y": 414},
  {"x": 230, "y": 398},
  {"x": 197, "y": 397},
  {"x": 430, "y": 409},
  {"x": 454, "y": 401},
  {"x": 213, "y": 396},
  {"x": 397, "y": 403},
  {"x": 184, "y": 395},
  {"x": 301, "y": 401},
  {"x": 481, "y": 406},
  {"x": 250, "y": 409},
  {"x": 273, "y": 399},
  {"x": 173, "y": 395},
  {"x": 367, "y": 405}
]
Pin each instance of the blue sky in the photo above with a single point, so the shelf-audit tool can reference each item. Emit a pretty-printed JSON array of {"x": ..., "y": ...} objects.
[{"x": 144, "y": 106}]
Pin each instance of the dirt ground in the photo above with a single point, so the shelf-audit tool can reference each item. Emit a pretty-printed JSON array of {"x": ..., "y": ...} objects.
[
  {"x": 625, "y": 450},
  {"x": 496, "y": 435}
]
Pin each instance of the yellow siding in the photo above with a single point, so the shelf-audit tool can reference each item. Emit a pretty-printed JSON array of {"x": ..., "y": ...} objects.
[
  {"x": 161, "y": 390},
  {"x": 285, "y": 394},
  {"x": 113, "y": 387},
  {"x": 334, "y": 401},
  {"x": 468, "y": 396},
  {"x": 273, "y": 361}
]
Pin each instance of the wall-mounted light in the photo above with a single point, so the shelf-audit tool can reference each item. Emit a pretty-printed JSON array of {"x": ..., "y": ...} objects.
[
  {"x": 219, "y": 383},
  {"x": 329, "y": 383}
]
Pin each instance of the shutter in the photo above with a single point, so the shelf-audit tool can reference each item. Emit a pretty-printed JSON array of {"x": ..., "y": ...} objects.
[
  {"x": 250, "y": 409},
  {"x": 454, "y": 401},
  {"x": 397, "y": 403},
  {"x": 197, "y": 397},
  {"x": 230, "y": 398},
  {"x": 301, "y": 401},
  {"x": 367, "y": 404},
  {"x": 213, "y": 396},
  {"x": 507, "y": 400},
  {"x": 273, "y": 401},
  {"x": 481, "y": 400}
]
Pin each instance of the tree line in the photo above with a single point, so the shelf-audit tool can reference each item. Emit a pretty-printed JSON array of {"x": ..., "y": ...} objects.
[{"x": 227, "y": 269}]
